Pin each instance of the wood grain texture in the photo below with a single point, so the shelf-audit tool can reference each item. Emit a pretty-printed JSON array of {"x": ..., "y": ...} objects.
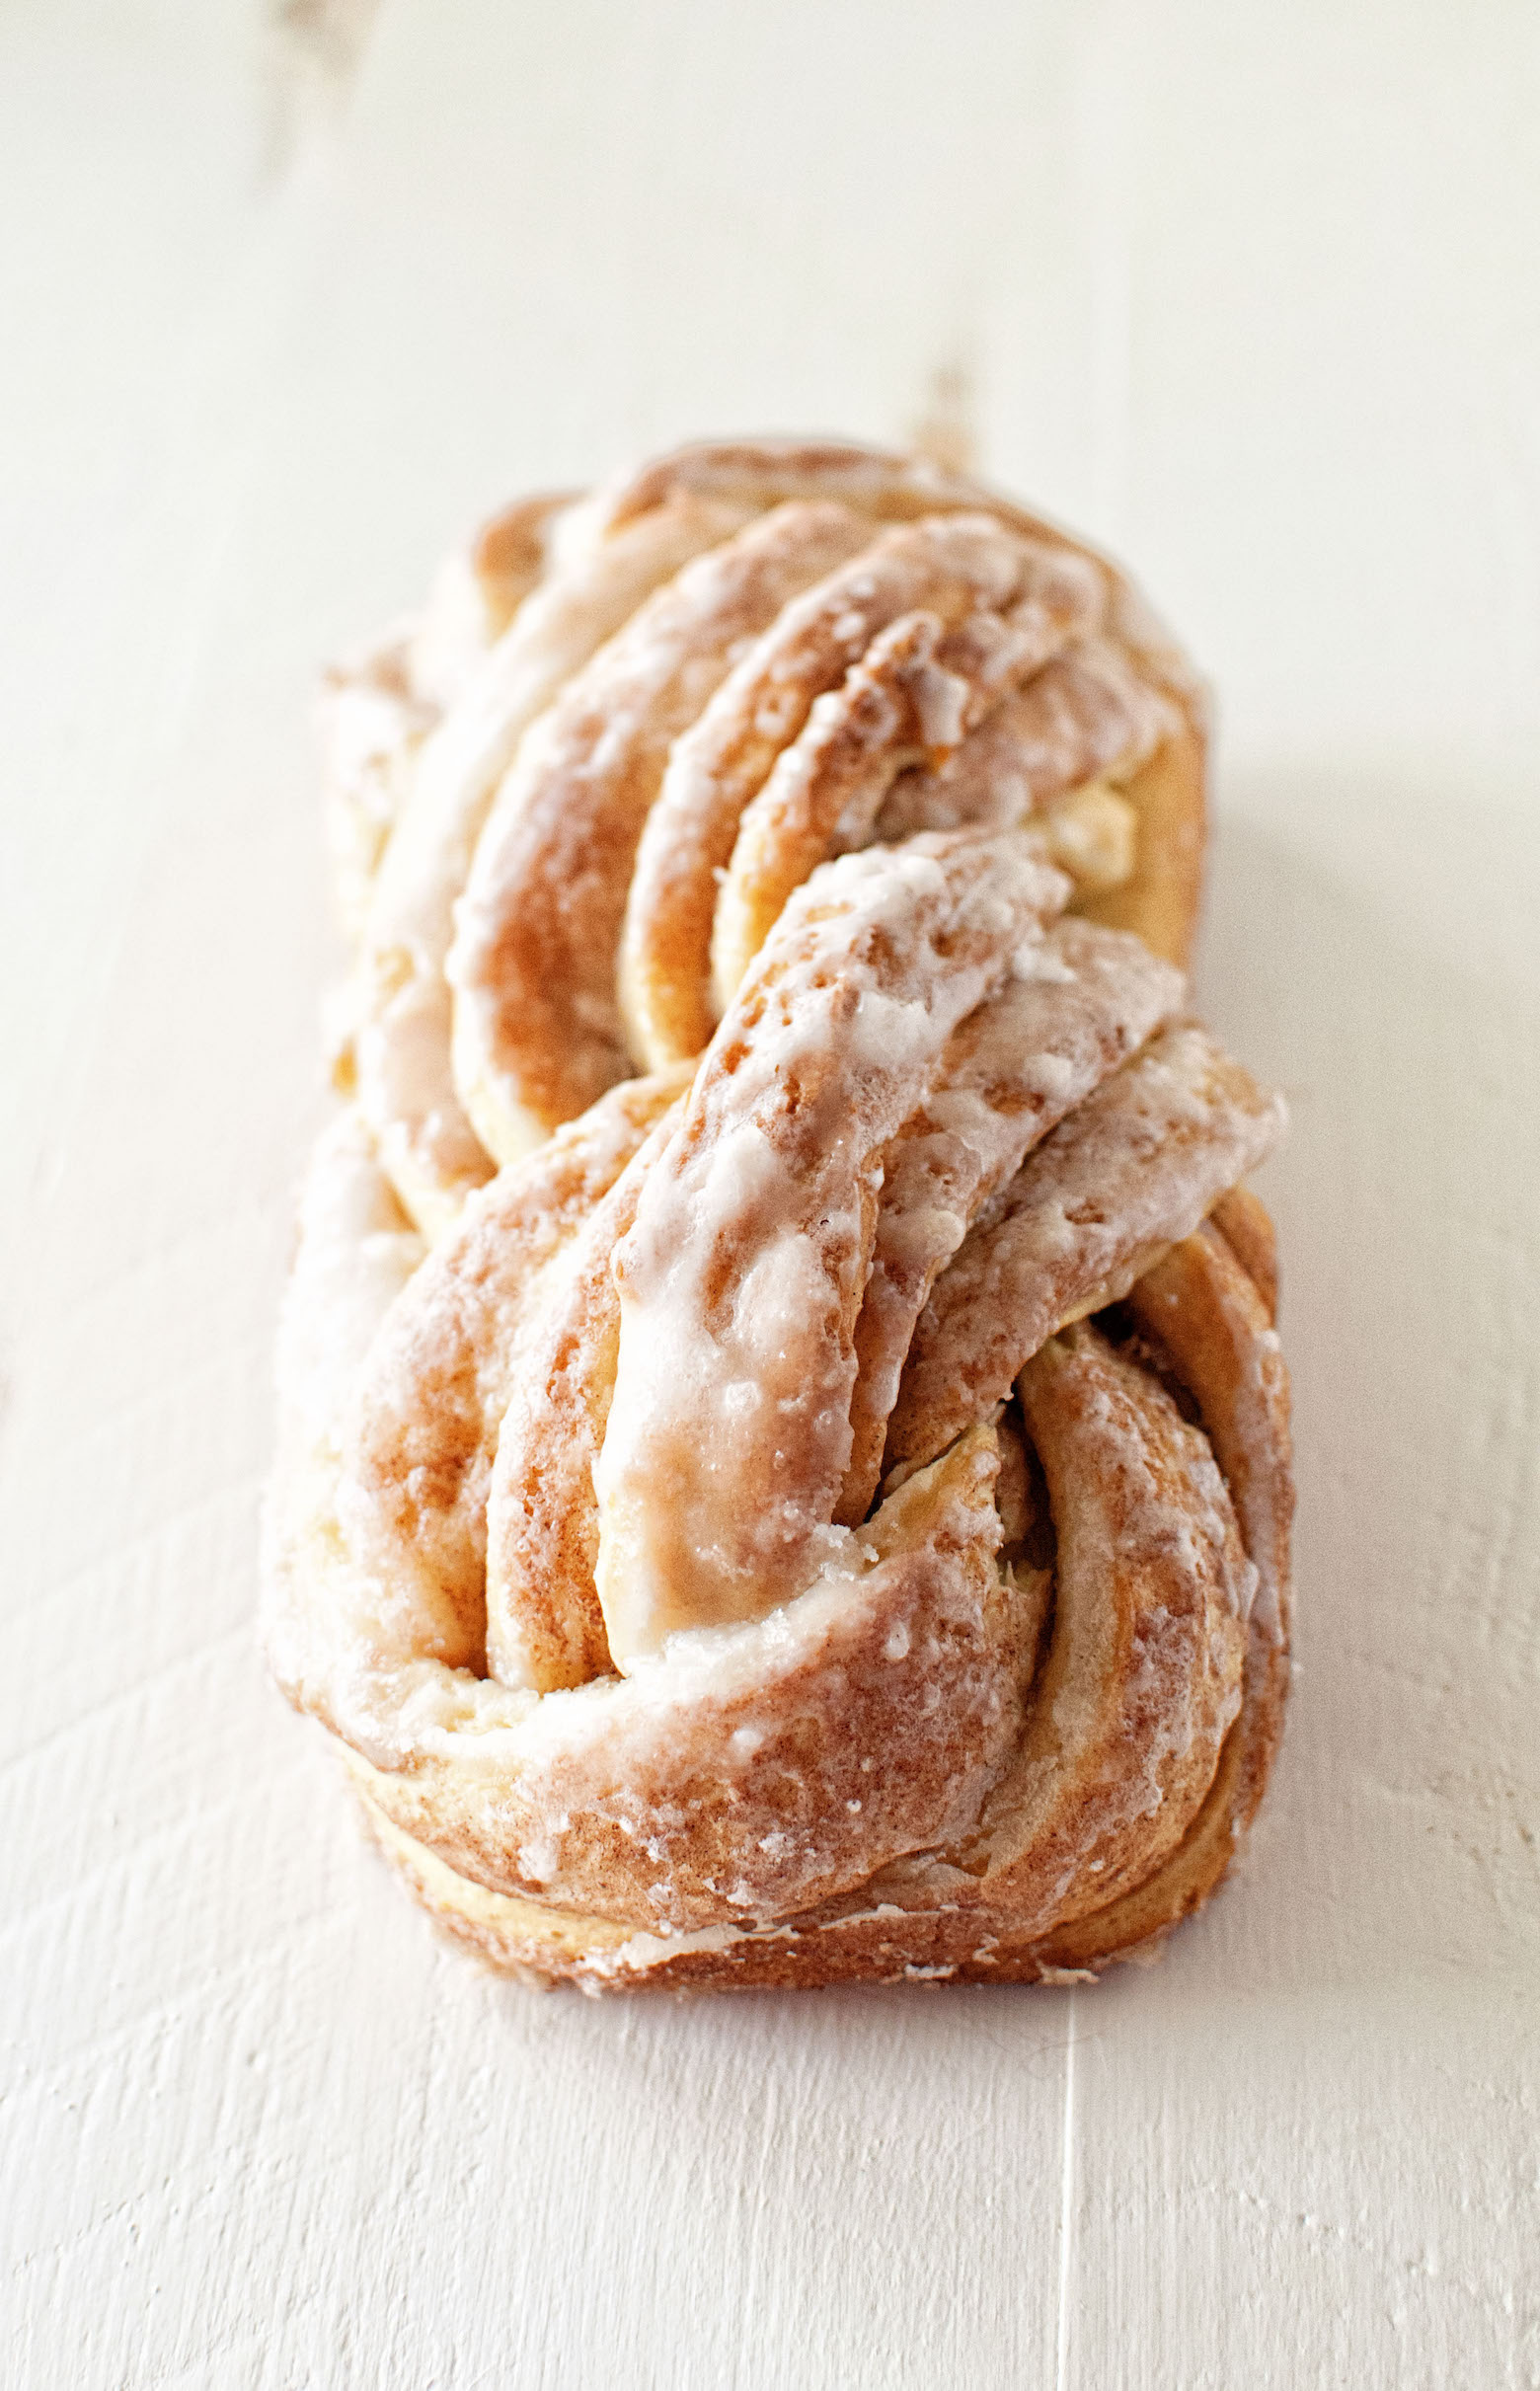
[{"x": 1250, "y": 299}]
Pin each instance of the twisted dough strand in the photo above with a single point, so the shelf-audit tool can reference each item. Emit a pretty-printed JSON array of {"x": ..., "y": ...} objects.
[
  {"x": 1131, "y": 1172},
  {"x": 946, "y": 567},
  {"x": 1017, "y": 1067},
  {"x": 403, "y": 1041},
  {"x": 537, "y": 1026},
  {"x": 742, "y": 1277}
]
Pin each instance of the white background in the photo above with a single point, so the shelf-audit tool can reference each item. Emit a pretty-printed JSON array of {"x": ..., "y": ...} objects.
[{"x": 1252, "y": 292}]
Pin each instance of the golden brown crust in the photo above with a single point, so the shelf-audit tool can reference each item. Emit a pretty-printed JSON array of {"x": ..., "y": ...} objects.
[
  {"x": 1246, "y": 1226},
  {"x": 574, "y": 1544},
  {"x": 428, "y": 729},
  {"x": 1161, "y": 902},
  {"x": 508, "y": 554},
  {"x": 1133, "y": 1168},
  {"x": 538, "y": 1028},
  {"x": 1016, "y": 1068},
  {"x": 952, "y": 1928}
]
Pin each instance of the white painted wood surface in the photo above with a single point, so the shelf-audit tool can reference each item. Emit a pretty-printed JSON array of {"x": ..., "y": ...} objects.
[{"x": 1251, "y": 293}]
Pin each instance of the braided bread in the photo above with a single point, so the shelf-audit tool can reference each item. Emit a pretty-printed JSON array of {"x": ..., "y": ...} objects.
[{"x": 784, "y": 1464}]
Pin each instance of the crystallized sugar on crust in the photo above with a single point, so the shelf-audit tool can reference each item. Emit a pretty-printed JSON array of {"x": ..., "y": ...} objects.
[
  {"x": 918, "y": 692},
  {"x": 1210, "y": 1316},
  {"x": 1077, "y": 1007},
  {"x": 756, "y": 474},
  {"x": 490, "y": 756},
  {"x": 1133, "y": 1169},
  {"x": 545, "y": 1624},
  {"x": 405, "y": 1079},
  {"x": 1143, "y": 1678},
  {"x": 730, "y": 1775},
  {"x": 537, "y": 1027},
  {"x": 742, "y": 1277},
  {"x": 571, "y": 1540},
  {"x": 419, "y": 1439},
  {"x": 949, "y": 568},
  {"x": 1086, "y": 716}
]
